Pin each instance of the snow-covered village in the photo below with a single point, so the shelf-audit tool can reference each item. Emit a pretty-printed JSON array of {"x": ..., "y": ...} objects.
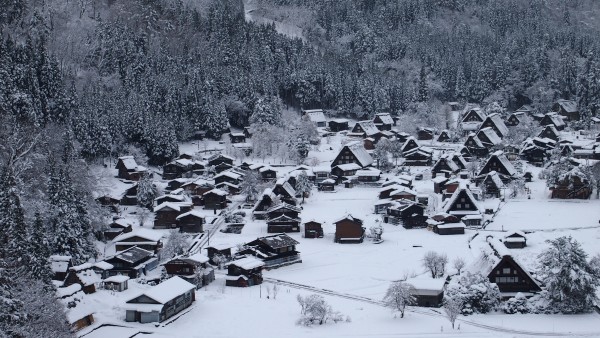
[{"x": 274, "y": 168}]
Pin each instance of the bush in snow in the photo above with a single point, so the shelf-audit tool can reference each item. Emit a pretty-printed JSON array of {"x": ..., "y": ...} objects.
[
  {"x": 458, "y": 263},
  {"x": 234, "y": 217},
  {"x": 517, "y": 304},
  {"x": 314, "y": 309},
  {"x": 435, "y": 263},
  {"x": 177, "y": 244},
  {"x": 571, "y": 280},
  {"x": 474, "y": 292}
]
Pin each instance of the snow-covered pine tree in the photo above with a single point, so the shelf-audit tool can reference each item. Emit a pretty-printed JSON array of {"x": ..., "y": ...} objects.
[
  {"x": 303, "y": 185},
  {"x": 39, "y": 250},
  {"x": 14, "y": 229},
  {"x": 146, "y": 191},
  {"x": 570, "y": 280}
]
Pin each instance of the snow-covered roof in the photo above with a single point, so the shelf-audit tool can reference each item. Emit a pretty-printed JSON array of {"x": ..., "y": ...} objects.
[
  {"x": 150, "y": 235},
  {"x": 316, "y": 115},
  {"x": 283, "y": 206},
  {"x": 349, "y": 166},
  {"x": 475, "y": 139},
  {"x": 256, "y": 166},
  {"x": 385, "y": 118},
  {"x": 116, "y": 279},
  {"x": 265, "y": 168},
  {"x": 229, "y": 174},
  {"x": 68, "y": 290},
  {"x": 493, "y": 175},
  {"x": 368, "y": 126},
  {"x": 59, "y": 263},
  {"x": 278, "y": 241},
  {"x": 349, "y": 217},
  {"x": 470, "y": 126},
  {"x": 192, "y": 212},
  {"x": 568, "y": 105},
  {"x": 216, "y": 192},
  {"x": 402, "y": 190},
  {"x": 340, "y": 120},
  {"x": 248, "y": 263},
  {"x": 445, "y": 158},
  {"x": 102, "y": 265},
  {"x": 361, "y": 154},
  {"x": 556, "y": 119},
  {"x": 197, "y": 257},
  {"x": 490, "y": 134},
  {"x": 451, "y": 225},
  {"x": 426, "y": 286},
  {"x": 505, "y": 162},
  {"x": 462, "y": 188},
  {"x": 167, "y": 290},
  {"x": 128, "y": 162},
  {"x": 496, "y": 119},
  {"x": 369, "y": 173},
  {"x": 169, "y": 205},
  {"x": 89, "y": 277}
]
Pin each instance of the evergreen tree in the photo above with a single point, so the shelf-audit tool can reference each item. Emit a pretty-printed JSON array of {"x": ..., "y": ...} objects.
[
  {"x": 423, "y": 93},
  {"x": 303, "y": 185},
  {"x": 570, "y": 280},
  {"x": 39, "y": 249},
  {"x": 146, "y": 191}
]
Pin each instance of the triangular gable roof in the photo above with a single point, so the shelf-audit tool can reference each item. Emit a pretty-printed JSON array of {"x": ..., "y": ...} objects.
[
  {"x": 128, "y": 162},
  {"x": 278, "y": 241},
  {"x": 349, "y": 217},
  {"x": 462, "y": 191},
  {"x": 445, "y": 159},
  {"x": 412, "y": 142},
  {"x": 368, "y": 126},
  {"x": 151, "y": 236},
  {"x": 384, "y": 118},
  {"x": 284, "y": 206},
  {"x": 489, "y": 134},
  {"x": 496, "y": 119},
  {"x": 284, "y": 218},
  {"x": 555, "y": 119},
  {"x": 515, "y": 264},
  {"x": 216, "y": 192},
  {"x": 568, "y": 106},
  {"x": 194, "y": 213},
  {"x": 495, "y": 178},
  {"x": 504, "y": 162},
  {"x": 133, "y": 255},
  {"x": 459, "y": 160},
  {"x": 474, "y": 112},
  {"x": 316, "y": 115},
  {"x": 360, "y": 153},
  {"x": 475, "y": 139}
]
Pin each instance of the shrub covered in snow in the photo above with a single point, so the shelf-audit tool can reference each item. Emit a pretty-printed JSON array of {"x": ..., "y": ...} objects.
[
  {"x": 315, "y": 310},
  {"x": 517, "y": 304},
  {"x": 474, "y": 292}
]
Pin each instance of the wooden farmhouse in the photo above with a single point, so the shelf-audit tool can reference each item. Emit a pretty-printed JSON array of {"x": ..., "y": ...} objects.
[
  {"x": 133, "y": 262},
  {"x": 368, "y": 175},
  {"x": 409, "y": 144},
  {"x": 177, "y": 169},
  {"x": 353, "y": 153},
  {"x": 264, "y": 202},
  {"x": 349, "y": 230},
  {"x": 85, "y": 276},
  {"x": 117, "y": 283},
  {"x": 215, "y": 199},
  {"x": 165, "y": 214},
  {"x": 474, "y": 115},
  {"x": 444, "y": 136},
  {"x": 553, "y": 119},
  {"x": 80, "y": 319},
  {"x": 192, "y": 268},
  {"x": 514, "y": 119},
  {"x": 316, "y": 116},
  {"x": 129, "y": 169},
  {"x": 117, "y": 227},
  {"x": 428, "y": 292},
  {"x": 525, "y": 109},
  {"x": 274, "y": 250},
  {"x": 160, "y": 302},
  {"x": 60, "y": 266},
  {"x": 142, "y": 238},
  {"x": 459, "y": 160},
  {"x": 237, "y": 138},
  {"x": 338, "y": 125},
  {"x": 403, "y": 193},
  {"x": 495, "y": 122},
  {"x": 568, "y": 109},
  {"x": 489, "y": 138},
  {"x": 244, "y": 272},
  {"x": 425, "y": 133},
  {"x": 418, "y": 157},
  {"x": 383, "y": 121},
  {"x": 572, "y": 185},
  {"x": 512, "y": 278},
  {"x": 474, "y": 146},
  {"x": 218, "y": 159},
  {"x": 491, "y": 184},
  {"x": 190, "y": 222},
  {"x": 499, "y": 163},
  {"x": 515, "y": 240},
  {"x": 229, "y": 177},
  {"x": 444, "y": 166},
  {"x": 550, "y": 132},
  {"x": 409, "y": 214},
  {"x": 462, "y": 203},
  {"x": 313, "y": 229},
  {"x": 268, "y": 174},
  {"x": 365, "y": 129},
  {"x": 283, "y": 218},
  {"x": 285, "y": 192}
]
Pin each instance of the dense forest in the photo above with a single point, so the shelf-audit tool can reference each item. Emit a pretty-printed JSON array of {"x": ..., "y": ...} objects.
[{"x": 83, "y": 81}]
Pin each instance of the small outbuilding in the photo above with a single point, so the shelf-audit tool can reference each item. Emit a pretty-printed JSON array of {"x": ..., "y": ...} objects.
[
  {"x": 313, "y": 229},
  {"x": 428, "y": 292},
  {"x": 116, "y": 283},
  {"x": 515, "y": 240}
]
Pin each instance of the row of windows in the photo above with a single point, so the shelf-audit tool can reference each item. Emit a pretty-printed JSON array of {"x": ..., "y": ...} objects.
[{"x": 507, "y": 279}]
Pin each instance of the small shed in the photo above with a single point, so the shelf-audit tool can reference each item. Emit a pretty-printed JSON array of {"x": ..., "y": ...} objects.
[
  {"x": 515, "y": 240},
  {"x": 219, "y": 249},
  {"x": 244, "y": 272},
  {"x": 428, "y": 292},
  {"x": 449, "y": 228},
  {"x": 116, "y": 283},
  {"x": 326, "y": 185},
  {"x": 338, "y": 125},
  {"x": 313, "y": 229},
  {"x": 191, "y": 221}
]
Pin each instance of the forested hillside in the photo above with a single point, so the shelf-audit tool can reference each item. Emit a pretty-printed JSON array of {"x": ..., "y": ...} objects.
[{"x": 85, "y": 81}]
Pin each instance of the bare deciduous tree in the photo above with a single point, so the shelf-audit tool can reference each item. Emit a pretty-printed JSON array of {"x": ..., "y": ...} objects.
[
  {"x": 458, "y": 264},
  {"x": 452, "y": 308},
  {"x": 435, "y": 263},
  {"x": 398, "y": 296}
]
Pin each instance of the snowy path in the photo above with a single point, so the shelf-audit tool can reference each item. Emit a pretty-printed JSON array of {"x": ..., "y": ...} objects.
[{"x": 428, "y": 312}]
